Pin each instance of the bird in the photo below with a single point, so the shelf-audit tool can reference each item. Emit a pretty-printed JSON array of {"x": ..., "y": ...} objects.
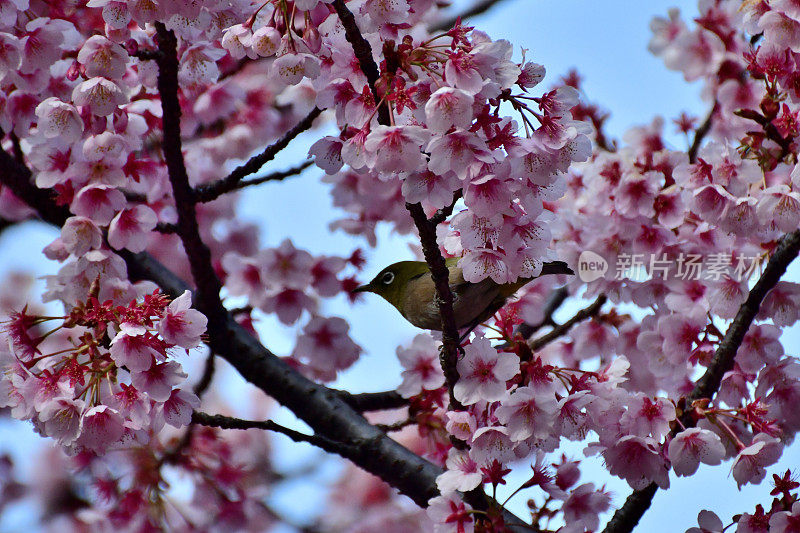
[{"x": 409, "y": 287}]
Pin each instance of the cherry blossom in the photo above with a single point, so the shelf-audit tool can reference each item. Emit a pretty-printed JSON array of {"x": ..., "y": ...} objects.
[{"x": 483, "y": 373}]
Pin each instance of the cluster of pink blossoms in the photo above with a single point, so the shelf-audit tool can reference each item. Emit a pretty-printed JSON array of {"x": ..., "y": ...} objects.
[{"x": 115, "y": 384}]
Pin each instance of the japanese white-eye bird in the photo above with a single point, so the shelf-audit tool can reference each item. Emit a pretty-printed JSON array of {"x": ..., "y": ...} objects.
[{"x": 409, "y": 287}]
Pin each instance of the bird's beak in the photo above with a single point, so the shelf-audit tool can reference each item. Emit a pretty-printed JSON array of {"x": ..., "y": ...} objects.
[{"x": 362, "y": 288}]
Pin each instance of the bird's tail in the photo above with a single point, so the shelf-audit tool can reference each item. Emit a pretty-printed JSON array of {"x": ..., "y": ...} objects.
[
  {"x": 556, "y": 267},
  {"x": 553, "y": 267}
]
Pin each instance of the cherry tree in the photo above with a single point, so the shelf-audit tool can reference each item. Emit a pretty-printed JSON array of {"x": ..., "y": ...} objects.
[{"x": 135, "y": 128}]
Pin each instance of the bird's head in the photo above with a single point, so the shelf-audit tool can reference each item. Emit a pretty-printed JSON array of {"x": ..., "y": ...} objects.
[{"x": 392, "y": 283}]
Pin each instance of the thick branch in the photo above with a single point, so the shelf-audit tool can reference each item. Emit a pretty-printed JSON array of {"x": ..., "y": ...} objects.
[
  {"x": 444, "y": 296},
  {"x": 626, "y": 518},
  {"x": 210, "y": 191},
  {"x": 373, "y": 401}
]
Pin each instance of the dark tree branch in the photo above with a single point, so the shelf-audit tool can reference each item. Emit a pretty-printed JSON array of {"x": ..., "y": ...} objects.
[
  {"x": 206, "y": 280},
  {"x": 17, "y": 148},
  {"x": 321, "y": 408},
  {"x": 700, "y": 134},
  {"x": 444, "y": 297},
  {"x": 166, "y": 228},
  {"x": 427, "y": 230},
  {"x": 552, "y": 304},
  {"x": 363, "y": 52},
  {"x": 208, "y": 374},
  {"x": 558, "y": 331},
  {"x": 210, "y": 191},
  {"x": 228, "y": 422},
  {"x": 373, "y": 401},
  {"x": 209, "y": 195},
  {"x": 477, "y": 8},
  {"x": 626, "y": 518}
]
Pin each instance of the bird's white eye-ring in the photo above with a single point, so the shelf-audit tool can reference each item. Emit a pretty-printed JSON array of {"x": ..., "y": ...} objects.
[{"x": 387, "y": 278}]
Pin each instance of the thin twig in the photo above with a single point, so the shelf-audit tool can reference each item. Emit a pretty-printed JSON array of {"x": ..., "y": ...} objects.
[
  {"x": 427, "y": 231},
  {"x": 477, "y": 8},
  {"x": 209, "y": 191},
  {"x": 17, "y": 147},
  {"x": 208, "y": 284},
  {"x": 228, "y": 422},
  {"x": 208, "y": 374},
  {"x": 206, "y": 195},
  {"x": 397, "y": 426},
  {"x": 587, "y": 312},
  {"x": 700, "y": 133},
  {"x": 444, "y": 296},
  {"x": 626, "y": 518},
  {"x": 554, "y": 301}
]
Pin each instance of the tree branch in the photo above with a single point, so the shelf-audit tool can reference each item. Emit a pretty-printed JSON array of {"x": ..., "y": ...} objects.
[
  {"x": 373, "y": 401},
  {"x": 626, "y": 518},
  {"x": 700, "y": 133},
  {"x": 477, "y": 8},
  {"x": 210, "y": 191},
  {"x": 558, "y": 331},
  {"x": 444, "y": 297},
  {"x": 228, "y": 422},
  {"x": 363, "y": 52},
  {"x": 427, "y": 230},
  {"x": 552, "y": 304}
]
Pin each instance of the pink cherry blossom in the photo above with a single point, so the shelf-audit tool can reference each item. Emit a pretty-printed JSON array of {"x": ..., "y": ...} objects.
[
  {"x": 99, "y": 95},
  {"x": 692, "y": 447},
  {"x": 638, "y": 461},
  {"x": 59, "y": 119},
  {"x": 98, "y": 202},
  {"x": 130, "y": 228},
  {"x": 422, "y": 370},
  {"x": 102, "y": 57},
  {"x": 182, "y": 325},
  {"x": 528, "y": 412},
  {"x": 396, "y": 149},
  {"x": 101, "y": 427},
  {"x": 133, "y": 348},
  {"x": 750, "y": 465},
  {"x": 157, "y": 381},
  {"x": 79, "y": 235},
  {"x": 449, "y": 108},
  {"x": 483, "y": 372},
  {"x": 179, "y": 406},
  {"x": 462, "y": 473},
  {"x": 450, "y": 514}
]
